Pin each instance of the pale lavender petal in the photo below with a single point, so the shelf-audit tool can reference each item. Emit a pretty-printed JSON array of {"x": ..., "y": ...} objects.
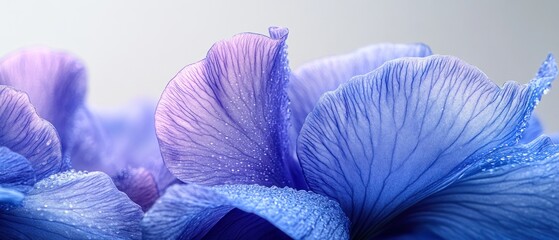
[
  {"x": 55, "y": 82},
  {"x": 224, "y": 119},
  {"x": 24, "y": 132}
]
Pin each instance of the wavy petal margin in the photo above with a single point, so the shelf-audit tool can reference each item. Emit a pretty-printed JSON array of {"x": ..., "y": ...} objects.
[
  {"x": 388, "y": 139},
  {"x": 190, "y": 211},
  {"x": 24, "y": 132}
]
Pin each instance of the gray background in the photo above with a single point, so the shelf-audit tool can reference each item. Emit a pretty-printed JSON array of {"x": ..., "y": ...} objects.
[{"x": 133, "y": 48}]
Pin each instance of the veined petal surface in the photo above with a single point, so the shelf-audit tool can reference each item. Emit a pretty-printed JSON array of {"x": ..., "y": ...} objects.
[
  {"x": 72, "y": 205},
  {"x": 388, "y": 139},
  {"x": 313, "y": 79},
  {"x": 190, "y": 211},
  {"x": 513, "y": 194},
  {"x": 55, "y": 82},
  {"x": 224, "y": 119},
  {"x": 15, "y": 171},
  {"x": 24, "y": 132}
]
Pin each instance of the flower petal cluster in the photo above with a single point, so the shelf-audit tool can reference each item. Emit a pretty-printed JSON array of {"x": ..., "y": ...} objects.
[
  {"x": 41, "y": 92},
  {"x": 407, "y": 145}
]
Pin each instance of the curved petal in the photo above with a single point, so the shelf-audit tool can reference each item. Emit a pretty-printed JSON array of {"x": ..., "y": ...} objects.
[
  {"x": 514, "y": 196},
  {"x": 190, "y": 211},
  {"x": 224, "y": 119},
  {"x": 237, "y": 224},
  {"x": 24, "y": 132},
  {"x": 15, "y": 171},
  {"x": 10, "y": 196},
  {"x": 312, "y": 80},
  {"x": 139, "y": 185},
  {"x": 73, "y": 205},
  {"x": 388, "y": 139},
  {"x": 533, "y": 130},
  {"x": 55, "y": 82}
]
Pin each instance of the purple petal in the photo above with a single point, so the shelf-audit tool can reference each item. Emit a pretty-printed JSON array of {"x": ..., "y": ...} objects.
[
  {"x": 24, "y": 132},
  {"x": 15, "y": 171},
  {"x": 388, "y": 139},
  {"x": 224, "y": 119},
  {"x": 312, "y": 80},
  {"x": 72, "y": 205},
  {"x": 55, "y": 82},
  {"x": 139, "y": 185}
]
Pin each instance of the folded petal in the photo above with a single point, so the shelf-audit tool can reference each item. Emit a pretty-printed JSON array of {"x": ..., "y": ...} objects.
[
  {"x": 533, "y": 130},
  {"x": 55, "y": 82},
  {"x": 312, "y": 80},
  {"x": 224, "y": 119},
  {"x": 15, "y": 171},
  {"x": 512, "y": 195},
  {"x": 24, "y": 132},
  {"x": 385, "y": 140},
  {"x": 73, "y": 205},
  {"x": 190, "y": 211},
  {"x": 139, "y": 185}
]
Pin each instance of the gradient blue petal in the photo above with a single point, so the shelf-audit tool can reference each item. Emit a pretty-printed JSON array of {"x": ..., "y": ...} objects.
[
  {"x": 388, "y": 139},
  {"x": 73, "y": 205},
  {"x": 24, "y": 132},
  {"x": 533, "y": 130},
  {"x": 512, "y": 195},
  {"x": 190, "y": 211},
  {"x": 16, "y": 172},
  {"x": 224, "y": 119},
  {"x": 313, "y": 79},
  {"x": 55, "y": 82}
]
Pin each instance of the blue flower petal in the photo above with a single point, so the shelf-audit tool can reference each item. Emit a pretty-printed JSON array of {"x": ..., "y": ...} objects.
[
  {"x": 73, "y": 205},
  {"x": 386, "y": 140},
  {"x": 224, "y": 119},
  {"x": 55, "y": 82},
  {"x": 312, "y": 80},
  {"x": 533, "y": 130},
  {"x": 237, "y": 224},
  {"x": 10, "y": 196},
  {"x": 139, "y": 185},
  {"x": 16, "y": 172},
  {"x": 512, "y": 195},
  {"x": 24, "y": 132},
  {"x": 190, "y": 211}
]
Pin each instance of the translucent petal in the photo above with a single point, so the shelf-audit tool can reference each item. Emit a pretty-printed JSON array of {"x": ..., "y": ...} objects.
[
  {"x": 385, "y": 140},
  {"x": 224, "y": 119},
  {"x": 190, "y": 211},
  {"x": 313, "y": 79},
  {"x": 55, "y": 82},
  {"x": 73, "y": 205},
  {"x": 24, "y": 132}
]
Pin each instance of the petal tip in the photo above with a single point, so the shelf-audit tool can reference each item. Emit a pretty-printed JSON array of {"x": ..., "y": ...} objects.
[{"x": 278, "y": 32}]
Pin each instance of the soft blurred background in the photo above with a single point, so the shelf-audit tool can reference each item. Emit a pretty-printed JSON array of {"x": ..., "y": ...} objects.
[{"x": 133, "y": 48}]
